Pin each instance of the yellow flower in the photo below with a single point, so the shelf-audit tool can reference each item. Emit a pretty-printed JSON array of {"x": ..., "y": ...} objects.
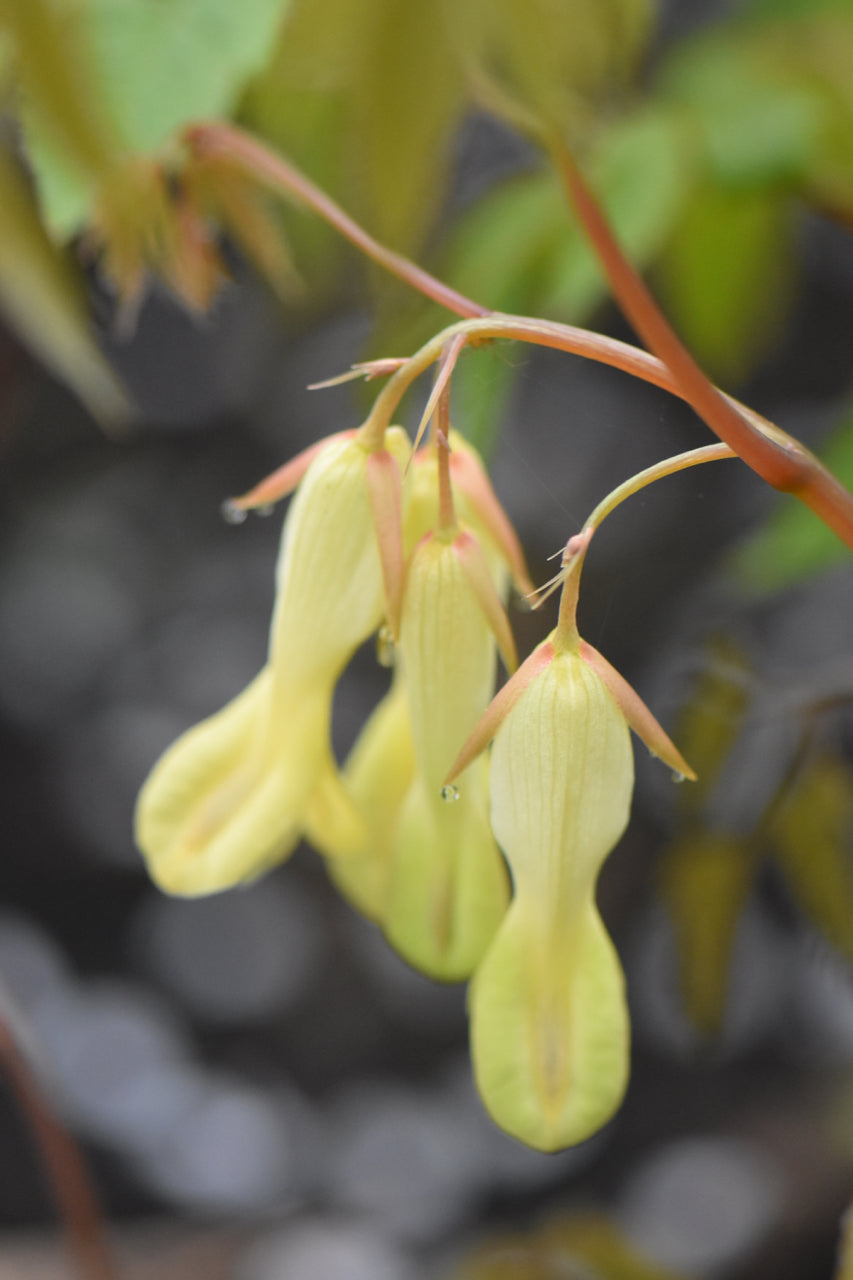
[
  {"x": 234, "y": 795},
  {"x": 447, "y": 887},
  {"x": 378, "y": 775},
  {"x": 549, "y": 1023},
  {"x": 549, "y": 1026},
  {"x": 410, "y": 873}
]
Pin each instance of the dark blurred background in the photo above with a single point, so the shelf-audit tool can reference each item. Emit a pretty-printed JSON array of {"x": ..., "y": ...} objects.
[{"x": 258, "y": 1068}]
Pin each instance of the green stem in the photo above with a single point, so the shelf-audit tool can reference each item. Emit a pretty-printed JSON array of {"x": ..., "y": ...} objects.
[
  {"x": 575, "y": 553},
  {"x": 667, "y": 467}
]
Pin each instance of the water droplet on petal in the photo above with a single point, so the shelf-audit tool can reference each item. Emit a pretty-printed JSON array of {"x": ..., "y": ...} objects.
[
  {"x": 678, "y": 777},
  {"x": 231, "y": 513},
  {"x": 450, "y": 793},
  {"x": 385, "y": 646},
  {"x": 266, "y": 510}
]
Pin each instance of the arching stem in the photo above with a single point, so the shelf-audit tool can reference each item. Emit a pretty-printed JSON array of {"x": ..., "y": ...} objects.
[
  {"x": 776, "y": 457},
  {"x": 576, "y": 548},
  {"x": 213, "y": 138},
  {"x": 783, "y": 466}
]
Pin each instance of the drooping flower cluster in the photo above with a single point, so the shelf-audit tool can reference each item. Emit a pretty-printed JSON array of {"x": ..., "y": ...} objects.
[{"x": 417, "y": 549}]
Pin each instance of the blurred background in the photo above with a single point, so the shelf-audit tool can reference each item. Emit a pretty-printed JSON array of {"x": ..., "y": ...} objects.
[{"x": 264, "y": 1090}]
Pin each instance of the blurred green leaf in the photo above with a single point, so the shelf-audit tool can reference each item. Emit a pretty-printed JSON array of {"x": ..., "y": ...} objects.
[
  {"x": 48, "y": 45},
  {"x": 585, "y": 1245},
  {"x": 547, "y": 58},
  {"x": 366, "y": 99},
  {"x": 793, "y": 544},
  {"x": 42, "y": 298},
  {"x": 158, "y": 67},
  {"x": 710, "y": 722},
  {"x": 406, "y": 102},
  {"x": 704, "y": 881},
  {"x": 757, "y": 129},
  {"x": 813, "y": 841},
  {"x": 797, "y": 8},
  {"x": 726, "y": 276},
  {"x": 771, "y": 95},
  {"x": 519, "y": 249}
]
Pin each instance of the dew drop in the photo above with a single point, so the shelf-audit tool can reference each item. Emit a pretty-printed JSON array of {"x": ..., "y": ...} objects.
[
  {"x": 678, "y": 777},
  {"x": 449, "y": 793},
  {"x": 385, "y": 646},
  {"x": 266, "y": 510},
  {"x": 231, "y": 513}
]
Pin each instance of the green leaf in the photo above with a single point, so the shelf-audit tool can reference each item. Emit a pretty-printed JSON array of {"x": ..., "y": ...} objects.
[
  {"x": 798, "y": 8},
  {"x": 704, "y": 881},
  {"x": 813, "y": 837},
  {"x": 406, "y": 102},
  {"x": 793, "y": 544},
  {"x": 546, "y": 59},
  {"x": 726, "y": 277},
  {"x": 160, "y": 65},
  {"x": 44, "y": 301},
  {"x": 710, "y": 721},
  {"x": 758, "y": 127}
]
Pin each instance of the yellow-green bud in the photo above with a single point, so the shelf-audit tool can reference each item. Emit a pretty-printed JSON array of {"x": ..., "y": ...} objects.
[
  {"x": 549, "y": 1023},
  {"x": 234, "y": 794}
]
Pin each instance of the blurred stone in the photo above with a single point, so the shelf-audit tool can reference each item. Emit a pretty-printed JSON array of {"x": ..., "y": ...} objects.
[
  {"x": 398, "y": 1158},
  {"x": 820, "y": 1030},
  {"x": 324, "y": 1249},
  {"x": 159, "y": 1252},
  {"x": 101, "y": 1043},
  {"x": 234, "y": 957},
  {"x": 701, "y": 1204},
  {"x": 238, "y": 1150},
  {"x": 32, "y": 968}
]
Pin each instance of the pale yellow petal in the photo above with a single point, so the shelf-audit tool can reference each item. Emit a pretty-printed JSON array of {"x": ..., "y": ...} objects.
[
  {"x": 549, "y": 1030},
  {"x": 448, "y": 887},
  {"x": 228, "y": 799},
  {"x": 378, "y": 774},
  {"x": 549, "y": 1023},
  {"x": 448, "y": 654},
  {"x": 329, "y": 580}
]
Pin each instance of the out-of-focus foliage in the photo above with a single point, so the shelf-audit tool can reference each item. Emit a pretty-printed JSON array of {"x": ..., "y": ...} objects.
[
  {"x": 43, "y": 298},
  {"x": 708, "y": 871},
  {"x": 585, "y": 1245},
  {"x": 148, "y": 70},
  {"x": 793, "y": 544},
  {"x": 703, "y": 176},
  {"x": 812, "y": 839}
]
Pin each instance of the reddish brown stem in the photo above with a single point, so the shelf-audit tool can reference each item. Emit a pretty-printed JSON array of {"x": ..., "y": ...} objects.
[
  {"x": 777, "y": 458},
  {"x": 215, "y": 139},
  {"x": 64, "y": 1166},
  {"x": 783, "y": 464}
]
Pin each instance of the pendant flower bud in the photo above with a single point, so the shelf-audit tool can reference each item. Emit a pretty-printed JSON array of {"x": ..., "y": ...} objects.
[
  {"x": 234, "y": 795},
  {"x": 549, "y": 1024},
  {"x": 447, "y": 890}
]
